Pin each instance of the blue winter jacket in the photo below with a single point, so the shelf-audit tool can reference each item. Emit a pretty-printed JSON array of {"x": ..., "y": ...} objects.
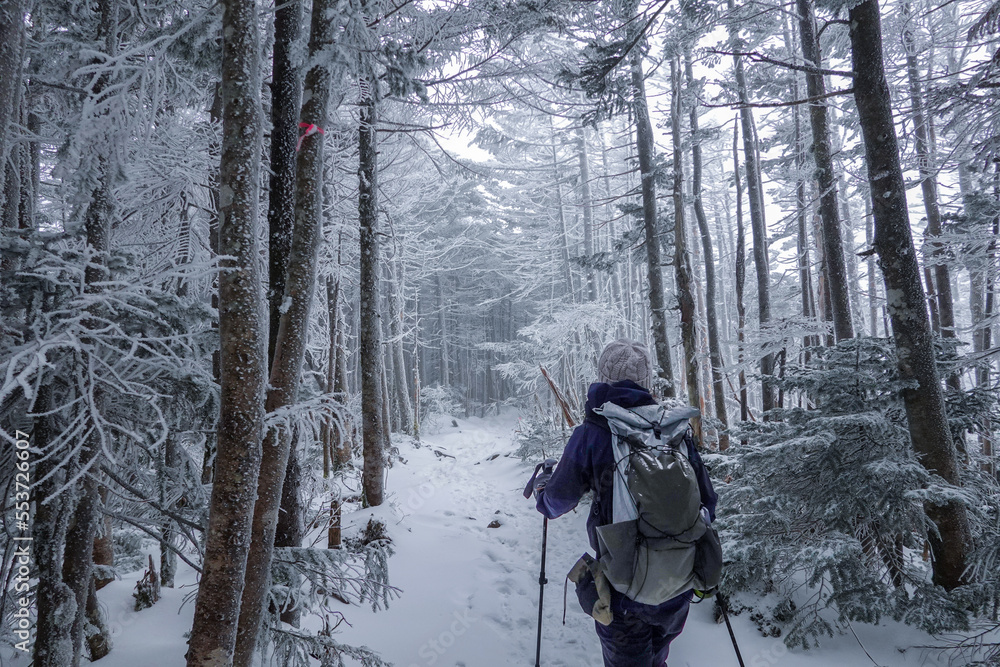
[{"x": 588, "y": 464}]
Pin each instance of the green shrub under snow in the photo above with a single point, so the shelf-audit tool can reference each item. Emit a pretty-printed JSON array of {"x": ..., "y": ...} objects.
[{"x": 823, "y": 511}]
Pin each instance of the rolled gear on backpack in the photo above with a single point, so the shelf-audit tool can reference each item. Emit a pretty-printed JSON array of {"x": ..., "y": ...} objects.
[
  {"x": 592, "y": 589},
  {"x": 661, "y": 542}
]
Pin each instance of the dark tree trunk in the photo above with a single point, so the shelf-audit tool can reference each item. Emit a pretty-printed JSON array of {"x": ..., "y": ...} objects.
[
  {"x": 290, "y": 345},
  {"x": 211, "y": 439},
  {"x": 168, "y": 473},
  {"x": 286, "y": 97},
  {"x": 330, "y": 433},
  {"x": 682, "y": 258},
  {"x": 78, "y": 566},
  {"x": 928, "y": 188},
  {"x": 370, "y": 334},
  {"x": 758, "y": 225},
  {"x": 714, "y": 348},
  {"x": 561, "y": 216},
  {"x": 833, "y": 248},
  {"x": 872, "y": 284},
  {"x": 56, "y": 602},
  {"x": 587, "y": 202},
  {"x": 445, "y": 369},
  {"x": 243, "y": 346},
  {"x": 801, "y": 206},
  {"x": 925, "y": 410},
  {"x": 98, "y": 635},
  {"x": 741, "y": 263},
  {"x": 12, "y": 31},
  {"x": 104, "y": 544},
  {"x": 646, "y": 151}
]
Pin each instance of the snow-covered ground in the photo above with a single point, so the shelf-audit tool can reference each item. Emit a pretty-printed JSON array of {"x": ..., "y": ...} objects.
[{"x": 470, "y": 592}]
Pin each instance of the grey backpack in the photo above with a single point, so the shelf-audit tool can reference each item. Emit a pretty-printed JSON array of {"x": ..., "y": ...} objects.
[{"x": 661, "y": 542}]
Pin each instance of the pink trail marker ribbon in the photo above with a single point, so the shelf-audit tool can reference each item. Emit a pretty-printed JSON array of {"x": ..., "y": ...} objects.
[{"x": 310, "y": 129}]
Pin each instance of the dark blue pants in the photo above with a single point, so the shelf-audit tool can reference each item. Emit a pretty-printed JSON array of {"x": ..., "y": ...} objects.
[{"x": 640, "y": 635}]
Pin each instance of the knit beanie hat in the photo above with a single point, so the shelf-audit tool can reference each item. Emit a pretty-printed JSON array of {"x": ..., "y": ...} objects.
[{"x": 625, "y": 359}]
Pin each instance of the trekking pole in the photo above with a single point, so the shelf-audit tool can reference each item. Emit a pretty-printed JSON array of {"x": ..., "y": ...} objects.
[
  {"x": 732, "y": 635},
  {"x": 528, "y": 490},
  {"x": 541, "y": 592}
]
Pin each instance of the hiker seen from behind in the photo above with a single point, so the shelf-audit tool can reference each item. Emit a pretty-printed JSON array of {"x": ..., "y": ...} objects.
[{"x": 650, "y": 522}]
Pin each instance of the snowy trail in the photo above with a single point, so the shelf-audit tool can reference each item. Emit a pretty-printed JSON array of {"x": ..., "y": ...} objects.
[{"x": 470, "y": 592}]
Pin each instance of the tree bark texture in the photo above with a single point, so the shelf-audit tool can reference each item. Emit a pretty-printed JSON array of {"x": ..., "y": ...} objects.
[
  {"x": 12, "y": 33},
  {"x": 98, "y": 635},
  {"x": 587, "y": 202},
  {"x": 646, "y": 151},
  {"x": 170, "y": 469},
  {"x": 78, "y": 564},
  {"x": 286, "y": 98},
  {"x": 243, "y": 346},
  {"x": 741, "y": 272},
  {"x": 712, "y": 323},
  {"x": 56, "y": 602},
  {"x": 925, "y": 410},
  {"x": 370, "y": 334},
  {"x": 682, "y": 258},
  {"x": 833, "y": 247},
  {"x": 758, "y": 225},
  {"x": 211, "y": 444},
  {"x": 293, "y": 333}
]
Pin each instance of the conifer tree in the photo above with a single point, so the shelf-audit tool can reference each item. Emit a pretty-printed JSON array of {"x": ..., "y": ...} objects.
[{"x": 924, "y": 401}]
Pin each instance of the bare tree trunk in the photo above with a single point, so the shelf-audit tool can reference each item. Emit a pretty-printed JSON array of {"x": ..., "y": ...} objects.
[
  {"x": 682, "y": 259},
  {"x": 646, "y": 151},
  {"x": 925, "y": 410},
  {"x": 290, "y": 345},
  {"x": 370, "y": 343},
  {"x": 78, "y": 566},
  {"x": 837, "y": 284},
  {"x": 928, "y": 187},
  {"x": 850, "y": 254},
  {"x": 712, "y": 324},
  {"x": 331, "y": 433},
  {"x": 286, "y": 98},
  {"x": 872, "y": 284},
  {"x": 56, "y": 602},
  {"x": 10, "y": 194},
  {"x": 243, "y": 346},
  {"x": 561, "y": 216},
  {"x": 588, "y": 210},
  {"x": 741, "y": 260},
  {"x": 104, "y": 543},
  {"x": 348, "y": 429},
  {"x": 211, "y": 440},
  {"x": 443, "y": 324},
  {"x": 12, "y": 33},
  {"x": 758, "y": 225},
  {"x": 979, "y": 264},
  {"x": 98, "y": 634},
  {"x": 170, "y": 467},
  {"x": 801, "y": 206},
  {"x": 400, "y": 385}
]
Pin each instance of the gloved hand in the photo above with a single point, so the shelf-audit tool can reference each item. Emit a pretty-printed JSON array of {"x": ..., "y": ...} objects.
[
  {"x": 541, "y": 476},
  {"x": 701, "y": 595}
]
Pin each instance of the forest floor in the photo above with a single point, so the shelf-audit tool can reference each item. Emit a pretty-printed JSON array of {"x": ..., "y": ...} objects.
[{"x": 470, "y": 593}]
